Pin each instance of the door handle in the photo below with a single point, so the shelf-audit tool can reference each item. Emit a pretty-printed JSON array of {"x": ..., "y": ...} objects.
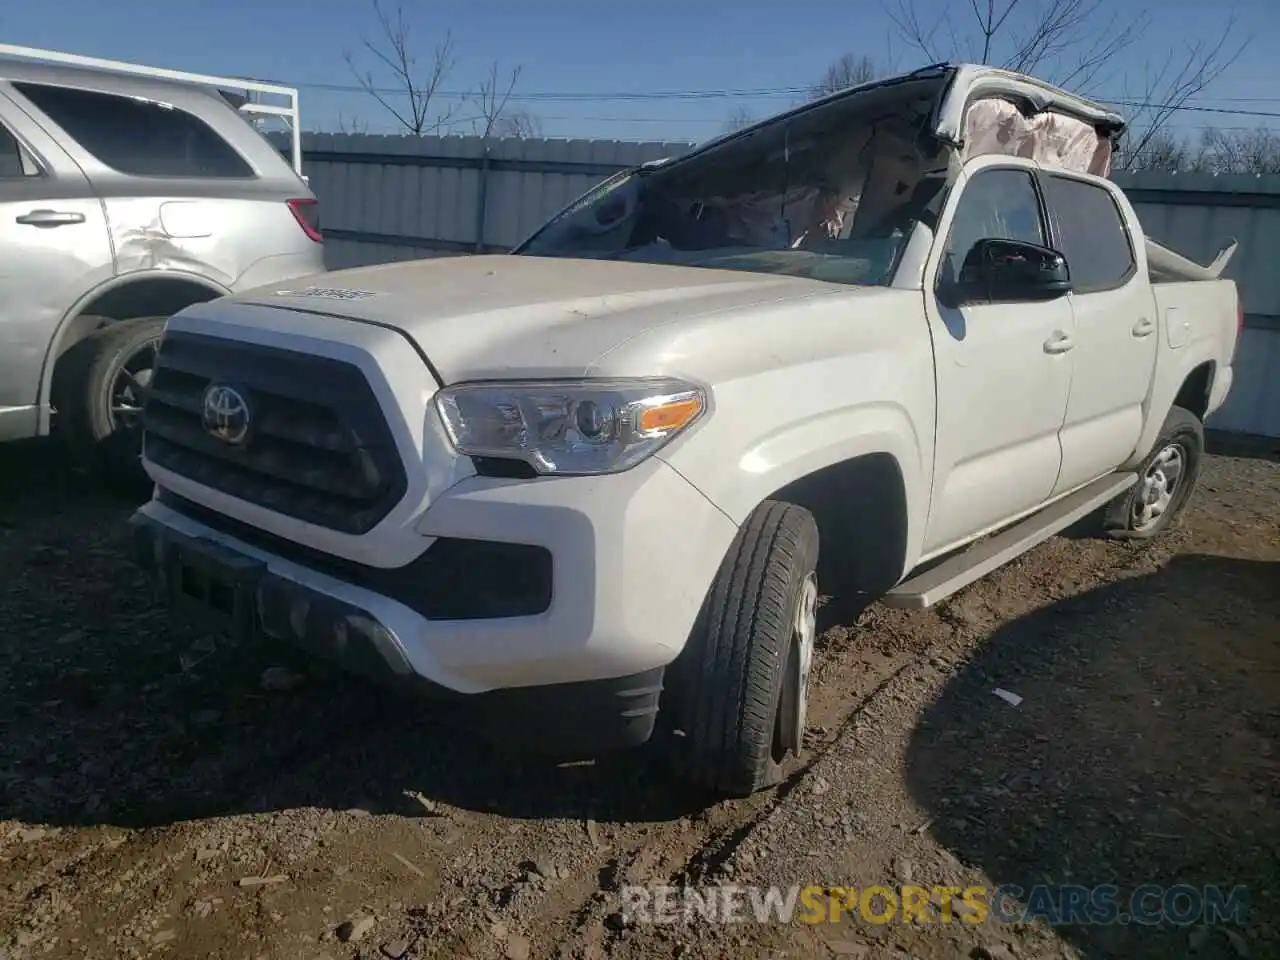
[
  {"x": 49, "y": 218},
  {"x": 1059, "y": 343},
  {"x": 1144, "y": 327}
]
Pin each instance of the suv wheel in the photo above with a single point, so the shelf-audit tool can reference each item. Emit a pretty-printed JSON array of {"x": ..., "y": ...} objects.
[
  {"x": 99, "y": 387},
  {"x": 742, "y": 685},
  {"x": 1166, "y": 479}
]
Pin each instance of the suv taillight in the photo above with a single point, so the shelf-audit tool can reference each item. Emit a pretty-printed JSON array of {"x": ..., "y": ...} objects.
[{"x": 307, "y": 213}]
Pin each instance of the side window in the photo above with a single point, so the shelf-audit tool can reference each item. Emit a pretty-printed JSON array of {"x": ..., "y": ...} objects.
[
  {"x": 15, "y": 162},
  {"x": 138, "y": 137},
  {"x": 996, "y": 205},
  {"x": 1091, "y": 234}
]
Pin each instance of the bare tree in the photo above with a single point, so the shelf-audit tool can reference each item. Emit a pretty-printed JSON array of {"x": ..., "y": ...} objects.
[
  {"x": 414, "y": 100},
  {"x": 1164, "y": 152},
  {"x": 491, "y": 100},
  {"x": 518, "y": 123},
  {"x": 1075, "y": 43},
  {"x": 1068, "y": 42},
  {"x": 1254, "y": 152},
  {"x": 739, "y": 118},
  {"x": 351, "y": 124},
  {"x": 848, "y": 71},
  {"x": 1168, "y": 88},
  {"x": 1216, "y": 151}
]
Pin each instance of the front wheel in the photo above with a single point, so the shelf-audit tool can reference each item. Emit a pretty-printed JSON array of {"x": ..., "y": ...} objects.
[
  {"x": 99, "y": 388},
  {"x": 1166, "y": 479},
  {"x": 743, "y": 683}
]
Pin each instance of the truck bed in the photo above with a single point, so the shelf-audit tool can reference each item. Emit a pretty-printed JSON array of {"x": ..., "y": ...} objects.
[{"x": 1168, "y": 266}]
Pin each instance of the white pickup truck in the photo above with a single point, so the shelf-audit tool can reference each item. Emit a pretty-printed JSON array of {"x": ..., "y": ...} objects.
[{"x": 910, "y": 330}]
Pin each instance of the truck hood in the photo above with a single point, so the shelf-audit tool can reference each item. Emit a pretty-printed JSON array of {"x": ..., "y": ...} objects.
[{"x": 482, "y": 317}]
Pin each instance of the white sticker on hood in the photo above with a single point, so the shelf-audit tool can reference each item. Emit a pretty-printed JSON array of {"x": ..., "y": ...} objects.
[{"x": 328, "y": 293}]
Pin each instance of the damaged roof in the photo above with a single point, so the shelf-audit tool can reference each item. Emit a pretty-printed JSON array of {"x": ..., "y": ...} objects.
[
  {"x": 959, "y": 85},
  {"x": 973, "y": 81}
]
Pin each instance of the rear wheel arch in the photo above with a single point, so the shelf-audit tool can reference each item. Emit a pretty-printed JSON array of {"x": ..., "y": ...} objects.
[
  {"x": 151, "y": 294},
  {"x": 99, "y": 367},
  {"x": 1193, "y": 395},
  {"x": 1188, "y": 387}
]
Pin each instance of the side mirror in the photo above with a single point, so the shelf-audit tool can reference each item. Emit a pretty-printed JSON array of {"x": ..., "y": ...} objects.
[{"x": 1010, "y": 270}]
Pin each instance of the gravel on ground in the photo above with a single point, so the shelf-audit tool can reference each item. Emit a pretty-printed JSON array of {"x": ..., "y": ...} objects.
[{"x": 164, "y": 794}]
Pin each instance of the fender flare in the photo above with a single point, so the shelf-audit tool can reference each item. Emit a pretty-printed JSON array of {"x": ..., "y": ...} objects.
[
  {"x": 1159, "y": 404},
  {"x": 800, "y": 448}
]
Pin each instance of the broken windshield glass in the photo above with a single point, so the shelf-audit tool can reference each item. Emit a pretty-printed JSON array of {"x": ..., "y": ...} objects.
[{"x": 831, "y": 192}]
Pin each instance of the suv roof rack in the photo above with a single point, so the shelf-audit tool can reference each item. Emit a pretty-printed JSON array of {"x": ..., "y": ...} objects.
[{"x": 288, "y": 113}]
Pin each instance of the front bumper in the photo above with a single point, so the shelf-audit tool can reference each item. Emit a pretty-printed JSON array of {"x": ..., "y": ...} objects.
[
  {"x": 220, "y": 587},
  {"x": 632, "y": 556}
]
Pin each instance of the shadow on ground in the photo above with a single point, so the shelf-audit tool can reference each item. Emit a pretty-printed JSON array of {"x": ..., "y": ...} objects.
[
  {"x": 1146, "y": 750},
  {"x": 1242, "y": 445},
  {"x": 113, "y": 714}
]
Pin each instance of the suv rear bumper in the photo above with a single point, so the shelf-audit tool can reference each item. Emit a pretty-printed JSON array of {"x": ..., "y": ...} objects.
[{"x": 632, "y": 557}]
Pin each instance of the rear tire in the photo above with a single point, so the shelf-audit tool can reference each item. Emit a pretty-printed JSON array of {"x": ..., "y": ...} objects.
[
  {"x": 99, "y": 387},
  {"x": 1166, "y": 480},
  {"x": 741, "y": 685}
]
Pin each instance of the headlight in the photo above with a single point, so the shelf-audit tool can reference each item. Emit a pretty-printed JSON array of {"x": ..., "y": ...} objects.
[{"x": 569, "y": 427}]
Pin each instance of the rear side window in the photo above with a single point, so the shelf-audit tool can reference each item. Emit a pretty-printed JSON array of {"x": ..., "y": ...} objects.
[
  {"x": 15, "y": 162},
  {"x": 138, "y": 137},
  {"x": 1091, "y": 234}
]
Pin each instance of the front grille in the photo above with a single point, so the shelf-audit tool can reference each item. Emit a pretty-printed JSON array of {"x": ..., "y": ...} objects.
[{"x": 319, "y": 448}]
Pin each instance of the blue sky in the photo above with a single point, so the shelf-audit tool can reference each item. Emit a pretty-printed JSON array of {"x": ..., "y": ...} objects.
[{"x": 587, "y": 49}]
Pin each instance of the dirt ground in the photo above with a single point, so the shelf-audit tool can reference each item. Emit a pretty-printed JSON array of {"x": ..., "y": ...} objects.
[{"x": 164, "y": 795}]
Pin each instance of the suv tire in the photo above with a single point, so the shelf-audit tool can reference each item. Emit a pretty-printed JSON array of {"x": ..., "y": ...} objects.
[{"x": 96, "y": 385}]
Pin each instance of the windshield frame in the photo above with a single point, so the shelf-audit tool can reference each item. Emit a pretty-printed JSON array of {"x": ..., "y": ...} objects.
[
  {"x": 608, "y": 184},
  {"x": 934, "y": 84}
]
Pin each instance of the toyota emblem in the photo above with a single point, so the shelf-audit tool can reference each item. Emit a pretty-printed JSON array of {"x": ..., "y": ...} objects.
[{"x": 225, "y": 414}]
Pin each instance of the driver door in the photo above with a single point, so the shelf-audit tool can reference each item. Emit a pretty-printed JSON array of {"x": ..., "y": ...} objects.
[{"x": 1003, "y": 369}]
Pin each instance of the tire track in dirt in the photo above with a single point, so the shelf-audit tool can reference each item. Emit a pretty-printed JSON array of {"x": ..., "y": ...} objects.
[
  {"x": 897, "y": 642},
  {"x": 692, "y": 850},
  {"x": 372, "y": 804}
]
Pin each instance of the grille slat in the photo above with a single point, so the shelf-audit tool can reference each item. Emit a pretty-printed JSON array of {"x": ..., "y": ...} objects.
[{"x": 319, "y": 449}]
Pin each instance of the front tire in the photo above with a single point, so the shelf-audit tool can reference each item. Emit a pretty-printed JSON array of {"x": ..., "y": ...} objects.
[
  {"x": 742, "y": 682},
  {"x": 99, "y": 387},
  {"x": 1166, "y": 480}
]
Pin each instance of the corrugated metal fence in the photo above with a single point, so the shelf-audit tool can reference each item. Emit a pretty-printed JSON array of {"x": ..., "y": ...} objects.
[
  {"x": 398, "y": 198},
  {"x": 1195, "y": 214}
]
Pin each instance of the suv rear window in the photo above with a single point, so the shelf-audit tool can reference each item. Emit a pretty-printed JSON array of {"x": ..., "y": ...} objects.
[{"x": 138, "y": 137}]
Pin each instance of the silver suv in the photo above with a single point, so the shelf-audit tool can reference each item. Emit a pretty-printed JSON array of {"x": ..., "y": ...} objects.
[{"x": 126, "y": 194}]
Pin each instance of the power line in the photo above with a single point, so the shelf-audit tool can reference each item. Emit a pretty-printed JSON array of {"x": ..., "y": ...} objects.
[
  {"x": 1188, "y": 108},
  {"x": 656, "y": 96},
  {"x": 574, "y": 96}
]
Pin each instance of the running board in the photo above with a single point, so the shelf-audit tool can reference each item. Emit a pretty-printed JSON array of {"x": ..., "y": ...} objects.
[{"x": 938, "y": 583}]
